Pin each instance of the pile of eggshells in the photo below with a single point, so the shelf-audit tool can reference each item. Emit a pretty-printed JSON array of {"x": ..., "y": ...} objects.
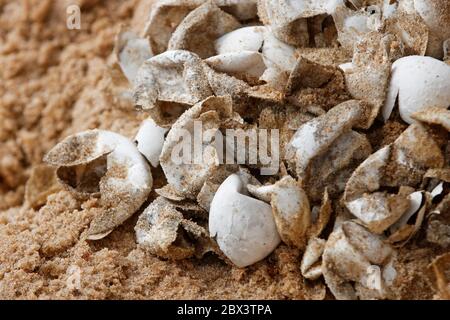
[{"x": 248, "y": 64}]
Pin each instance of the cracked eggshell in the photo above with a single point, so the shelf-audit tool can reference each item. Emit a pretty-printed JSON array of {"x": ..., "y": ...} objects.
[
  {"x": 164, "y": 231},
  {"x": 311, "y": 265},
  {"x": 174, "y": 76},
  {"x": 335, "y": 166},
  {"x": 150, "y": 141},
  {"x": 378, "y": 210},
  {"x": 243, "y": 227},
  {"x": 290, "y": 208},
  {"x": 200, "y": 28},
  {"x": 415, "y": 151},
  {"x": 401, "y": 231},
  {"x": 104, "y": 162},
  {"x": 288, "y": 19},
  {"x": 357, "y": 263},
  {"x": 410, "y": 30},
  {"x": 188, "y": 177},
  {"x": 308, "y": 74},
  {"x": 243, "y": 39},
  {"x": 131, "y": 51},
  {"x": 368, "y": 77},
  {"x": 436, "y": 14},
  {"x": 317, "y": 135},
  {"x": 209, "y": 188},
  {"x": 418, "y": 83},
  {"x": 166, "y": 15},
  {"x": 259, "y": 39}
]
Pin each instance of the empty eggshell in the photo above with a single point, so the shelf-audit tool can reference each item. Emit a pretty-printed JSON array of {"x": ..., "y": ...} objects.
[
  {"x": 353, "y": 25},
  {"x": 409, "y": 159},
  {"x": 311, "y": 265},
  {"x": 200, "y": 28},
  {"x": 402, "y": 231},
  {"x": 166, "y": 15},
  {"x": 318, "y": 134},
  {"x": 173, "y": 76},
  {"x": 150, "y": 140},
  {"x": 418, "y": 83},
  {"x": 279, "y": 57},
  {"x": 243, "y": 227},
  {"x": 164, "y": 231},
  {"x": 104, "y": 162},
  {"x": 368, "y": 77},
  {"x": 357, "y": 264},
  {"x": 288, "y": 19},
  {"x": 187, "y": 173}
]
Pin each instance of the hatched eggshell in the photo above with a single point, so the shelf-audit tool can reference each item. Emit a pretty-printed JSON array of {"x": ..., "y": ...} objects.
[
  {"x": 244, "y": 227},
  {"x": 106, "y": 162},
  {"x": 310, "y": 267},
  {"x": 419, "y": 83},
  {"x": 213, "y": 23}
]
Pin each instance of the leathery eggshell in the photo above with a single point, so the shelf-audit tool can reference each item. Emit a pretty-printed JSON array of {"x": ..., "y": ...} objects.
[
  {"x": 418, "y": 82},
  {"x": 244, "y": 227}
]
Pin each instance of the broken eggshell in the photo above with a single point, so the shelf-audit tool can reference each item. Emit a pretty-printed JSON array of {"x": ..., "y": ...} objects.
[
  {"x": 358, "y": 264},
  {"x": 105, "y": 163},
  {"x": 166, "y": 15},
  {"x": 401, "y": 231},
  {"x": 164, "y": 231},
  {"x": 243, "y": 227},
  {"x": 315, "y": 136},
  {"x": 288, "y": 19},
  {"x": 186, "y": 170},
  {"x": 409, "y": 156},
  {"x": 311, "y": 264},
  {"x": 418, "y": 83},
  {"x": 327, "y": 146},
  {"x": 367, "y": 77},
  {"x": 353, "y": 25},
  {"x": 174, "y": 76},
  {"x": 200, "y": 28},
  {"x": 279, "y": 57}
]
